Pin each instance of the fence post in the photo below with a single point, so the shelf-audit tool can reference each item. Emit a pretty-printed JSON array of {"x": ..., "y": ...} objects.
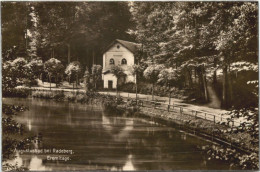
[
  {"x": 168, "y": 108},
  {"x": 195, "y": 114},
  {"x": 214, "y": 119}
]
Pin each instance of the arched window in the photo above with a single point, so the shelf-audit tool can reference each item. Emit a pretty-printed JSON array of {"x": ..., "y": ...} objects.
[
  {"x": 111, "y": 61},
  {"x": 124, "y": 61}
]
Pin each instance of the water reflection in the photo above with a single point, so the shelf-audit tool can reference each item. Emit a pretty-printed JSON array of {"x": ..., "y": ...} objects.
[
  {"x": 29, "y": 124},
  {"x": 118, "y": 133},
  {"x": 102, "y": 141},
  {"x": 129, "y": 164},
  {"x": 36, "y": 165}
]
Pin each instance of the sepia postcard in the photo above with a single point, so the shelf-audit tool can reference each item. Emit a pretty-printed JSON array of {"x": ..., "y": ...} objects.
[{"x": 129, "y": 86}]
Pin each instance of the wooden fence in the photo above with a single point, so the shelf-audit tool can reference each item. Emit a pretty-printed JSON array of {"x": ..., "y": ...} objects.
[{"x": 182, "y": 110}]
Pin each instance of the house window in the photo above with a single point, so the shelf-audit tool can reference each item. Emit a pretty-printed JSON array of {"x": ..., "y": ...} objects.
[
  {"x": 111, "y": 61},
  {"x": 124, "y": 61},
  {"x": 118, "y": 46}
]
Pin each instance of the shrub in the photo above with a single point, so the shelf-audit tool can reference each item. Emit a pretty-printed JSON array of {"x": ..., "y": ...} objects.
[
  {"x": 16, "y": 92},
  {"x": 70, "y": 97},
  {"x": 59, "y": 96},
  {"x": 30, "y": 83}
]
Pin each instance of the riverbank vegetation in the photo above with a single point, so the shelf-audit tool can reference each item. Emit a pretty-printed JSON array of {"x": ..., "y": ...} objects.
[{"x": 14, "y": 137}]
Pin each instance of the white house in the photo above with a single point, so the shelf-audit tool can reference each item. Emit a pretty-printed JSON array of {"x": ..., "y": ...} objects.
[{"x": 119, "y": 53}]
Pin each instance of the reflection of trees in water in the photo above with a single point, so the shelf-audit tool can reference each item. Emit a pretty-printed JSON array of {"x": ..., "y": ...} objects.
[
  {"x": 106, "y": 141},
  {"x": 164, "y": 150}
]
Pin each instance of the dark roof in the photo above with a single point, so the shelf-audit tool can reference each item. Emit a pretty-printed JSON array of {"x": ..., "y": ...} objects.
[{"x": 131, "y": 46}]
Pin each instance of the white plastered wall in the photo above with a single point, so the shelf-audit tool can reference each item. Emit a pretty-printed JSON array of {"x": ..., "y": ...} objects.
[
  {"x": 109, "y": 77},
  {"x": 117, "y": 54}
]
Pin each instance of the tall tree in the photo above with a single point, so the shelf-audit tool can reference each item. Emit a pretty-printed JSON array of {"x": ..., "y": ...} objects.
[{"x": 151, "y": 73}]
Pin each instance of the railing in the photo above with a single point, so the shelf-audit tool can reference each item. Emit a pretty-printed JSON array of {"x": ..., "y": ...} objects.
[{"x": 161, "y": 105}]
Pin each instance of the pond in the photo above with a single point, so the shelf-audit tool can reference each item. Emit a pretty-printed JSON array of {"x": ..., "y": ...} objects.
[{"x": 83, "y": 137}]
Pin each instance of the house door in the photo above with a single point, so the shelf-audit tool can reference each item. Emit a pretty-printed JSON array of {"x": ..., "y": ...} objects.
[{"x": 110, "y": 85}]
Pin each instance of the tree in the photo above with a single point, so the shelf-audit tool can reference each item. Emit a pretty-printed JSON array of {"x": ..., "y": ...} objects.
[
  {"x": 14, "y": 73},
  {"x": 80, "y": 29},
  {"x": 13, "y": 21},
  {"x": 73, "y": 70},
  {"x": 96, "y": 73},
  {"x": 54, "y": 68},
  {"x": 199, "y": 39},
  {"x": 136, "y": 70},
  {"x": 34, "y": 69},
  {"x": 151, "y": 73},
  {"x": 118, "y": 72},
  {"x": 168, "y": 77}
]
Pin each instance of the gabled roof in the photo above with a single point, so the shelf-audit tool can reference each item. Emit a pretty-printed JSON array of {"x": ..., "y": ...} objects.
[{"x": 131, "y": 46}]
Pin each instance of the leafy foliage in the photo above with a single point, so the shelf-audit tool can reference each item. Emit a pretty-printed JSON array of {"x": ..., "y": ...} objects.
[
  {"x": 152, "y": 72},
  {"x": 201, "y": 39},
  {"x": 73, "y": 70}
]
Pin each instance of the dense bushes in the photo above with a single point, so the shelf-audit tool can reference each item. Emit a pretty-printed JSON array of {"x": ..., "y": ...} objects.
[
  {"x": 16, "y": 92},
  {"x": 146, "y": 88},
  {"x": 109, "y": 102}
]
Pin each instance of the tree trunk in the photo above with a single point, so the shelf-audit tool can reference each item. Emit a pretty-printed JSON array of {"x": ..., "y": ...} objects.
[
  {"x": 189, "y": 73},
  {"x": 195, "y": 76},
  {"x": 200, "y": 78},
  {"x": 52, "y": 52},
  {"x": 152, "y": 92},
  {"x": 68, "y": 53},
  {"x": 56, "y": 79},
  {"x": 170, "y": 98},
  {"x": 215, "y": 72},
  {"x": 95, "y": 83},
  {"x": 117, "y": 87},
  {"x": 204, "y": 80},
  {"x": 224, "y": 91},
  {"x": 136, "y": 88},
  {"x": 230, "y": 88},
  {"x": 93, "y": 57},
  {"x": 50, "y": 81},
  {"x": 77, "y": 78}
]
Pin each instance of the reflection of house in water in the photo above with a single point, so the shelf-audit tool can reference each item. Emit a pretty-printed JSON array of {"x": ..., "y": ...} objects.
[
  {"x": 118, "y": 132},
  {"x": 33, "y": 163},
  {"x": 37, "y": 165},
  {"x": 129, "y": 164}
]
